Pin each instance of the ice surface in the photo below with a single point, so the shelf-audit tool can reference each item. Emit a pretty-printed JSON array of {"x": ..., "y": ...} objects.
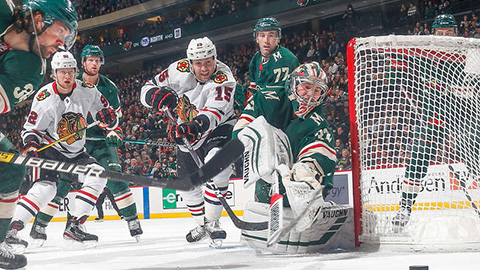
[{"x": 163, "y": 246}]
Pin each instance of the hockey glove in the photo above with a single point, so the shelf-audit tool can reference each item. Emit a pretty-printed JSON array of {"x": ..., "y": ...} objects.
[
  {"x": 114, "y": 137},
  {"x": 191, "y": 130},
  {"x": 107, "y": 117},
  {"x": 160, "y": 97},
  {"x": 31, "y": 148}
]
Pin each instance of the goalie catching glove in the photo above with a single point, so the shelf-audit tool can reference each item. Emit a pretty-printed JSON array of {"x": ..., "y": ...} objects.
[
  {"x": 160, "y": 97},
  {"x": 114, "y": 137},
  {"x": 304, "y": 192},
  {"x": 107, "y": 117},
  {"x": 191, "y": 130}
]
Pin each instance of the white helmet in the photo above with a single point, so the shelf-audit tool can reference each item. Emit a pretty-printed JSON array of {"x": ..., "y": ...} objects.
[
  {"x": 61, "y": 60},
  {"x": 201, "y": 48}
]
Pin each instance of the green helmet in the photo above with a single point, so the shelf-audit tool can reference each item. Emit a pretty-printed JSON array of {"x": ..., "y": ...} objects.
[
  {"x": 267, "y": 24},
  {"x": 306, "y": 88},
  {"x": 92, "y": 50},
  {"x": 444, "y": 21},
  {"x": 56, "y": 10}
]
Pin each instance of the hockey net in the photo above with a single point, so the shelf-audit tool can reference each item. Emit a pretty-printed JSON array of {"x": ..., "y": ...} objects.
[{"x": 415, "y": 121}]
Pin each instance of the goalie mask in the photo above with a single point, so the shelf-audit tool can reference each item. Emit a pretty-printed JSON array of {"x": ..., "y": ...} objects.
[
  {"x": 307, "y": 88},
  {"x": 62, "y": 60},
  {"x": 55, "y": 10}
]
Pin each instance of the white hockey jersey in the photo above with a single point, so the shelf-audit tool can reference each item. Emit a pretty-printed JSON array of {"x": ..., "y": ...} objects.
[
  {"x": 213, "y": 98},
  {"x": 54, "y": 116}
]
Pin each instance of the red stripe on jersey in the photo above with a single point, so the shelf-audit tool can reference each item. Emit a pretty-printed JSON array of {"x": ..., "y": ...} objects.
[
  {"x": 214, "y": 112},
  {"x": 195, "y": 210},
  {"x": 31, "y": 203},
  {"x": 88, "y": 194},
  {"x": 316, "y": 146},
  {"x": 245, "y": 118}
]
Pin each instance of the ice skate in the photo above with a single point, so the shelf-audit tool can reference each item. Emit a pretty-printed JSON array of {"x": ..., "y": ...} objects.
[
  {"x": 76, "y": 233},
  {"x": 401, "y": 219},
  {"x": 38, "y": 235},
  {"x": 17, "y": 245},
  {"x": 196, "y": 234},
  {"x": 135, "y": 229},
  {"x": 217, "y": 234},
  {"x": 8, "y": 260}
]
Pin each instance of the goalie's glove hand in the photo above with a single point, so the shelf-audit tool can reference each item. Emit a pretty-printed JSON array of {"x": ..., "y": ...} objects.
[
  {"x": 160, "y": 97},
  {"x": 191, "y": 130},
  {"x": 107, "y": 117},
  {"x": 31, "y": 148},
  {"x": 114, "y": 137}
]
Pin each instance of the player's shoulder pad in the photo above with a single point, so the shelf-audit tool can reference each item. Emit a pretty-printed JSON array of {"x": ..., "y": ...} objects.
[{"x": 183, "y": 65}]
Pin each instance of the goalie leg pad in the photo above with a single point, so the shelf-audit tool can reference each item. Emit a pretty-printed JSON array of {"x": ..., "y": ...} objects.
[
  {"x": 333, "y": 230},
  {"x": 262, "y": 141}
]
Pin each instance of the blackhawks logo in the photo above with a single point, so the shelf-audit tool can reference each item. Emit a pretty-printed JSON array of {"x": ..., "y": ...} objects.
[
  {"x": 43, "y": 95},
  {"x": 220, "y": 77},
  {"x": 183, "y": 66},
  {"x": 69, "y": 124}
]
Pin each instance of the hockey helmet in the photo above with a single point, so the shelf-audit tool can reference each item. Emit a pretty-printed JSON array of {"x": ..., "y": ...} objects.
[
  {"x": 306, "y": 88},
  {"x": 56, "y": 10},
  {"x": 201, "y": 48},
  {"x": 92, "y": 50},
  {"x": 444, "y": 21},
  {"x": 267, "y": 24},
  {"x": 61, "y": 60}
]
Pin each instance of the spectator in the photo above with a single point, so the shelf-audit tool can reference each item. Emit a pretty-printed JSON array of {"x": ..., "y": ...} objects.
[{"x": 333, "y": 48}]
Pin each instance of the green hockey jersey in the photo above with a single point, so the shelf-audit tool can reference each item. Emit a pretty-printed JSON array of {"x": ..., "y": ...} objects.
[
  {"x": 274, "y": 72},
  {"x": 110, "y": 91},
  {"x": 21, "y": 72},
  {"x": 311, "y": 139}
]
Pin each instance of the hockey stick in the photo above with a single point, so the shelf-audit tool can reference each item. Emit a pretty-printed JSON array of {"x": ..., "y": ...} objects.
[
  {"x": 147, "y": 142},
  {"x": 68, "y": 136},
  {"x": 243, "y": 225},
  {"x": 461, "y": 180},
  {"x": 230, "y": 152}
]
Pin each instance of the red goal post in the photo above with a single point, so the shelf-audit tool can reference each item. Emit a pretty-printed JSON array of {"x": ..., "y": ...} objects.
[{"x": 415, "y": 120}]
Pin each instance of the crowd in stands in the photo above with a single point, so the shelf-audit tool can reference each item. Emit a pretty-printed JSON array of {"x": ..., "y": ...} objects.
[
  {"x": 91, "y": 8},
  {"x": 140, "y": 123}
]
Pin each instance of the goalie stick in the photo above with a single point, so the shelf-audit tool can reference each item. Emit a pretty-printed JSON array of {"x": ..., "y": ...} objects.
[
  {"x": 240, "y": 224},
  {"x": 222, "y": 160},
  {"x": 461, "y": 180},
  {"x": 147, "y": 142}
]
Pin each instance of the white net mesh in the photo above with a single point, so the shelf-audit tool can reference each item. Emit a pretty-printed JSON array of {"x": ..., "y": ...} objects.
[{"x": 417, "y": 108}]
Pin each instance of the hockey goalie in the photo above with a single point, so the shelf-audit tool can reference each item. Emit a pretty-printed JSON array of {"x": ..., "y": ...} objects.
[{"x": 289, "y": 156}]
